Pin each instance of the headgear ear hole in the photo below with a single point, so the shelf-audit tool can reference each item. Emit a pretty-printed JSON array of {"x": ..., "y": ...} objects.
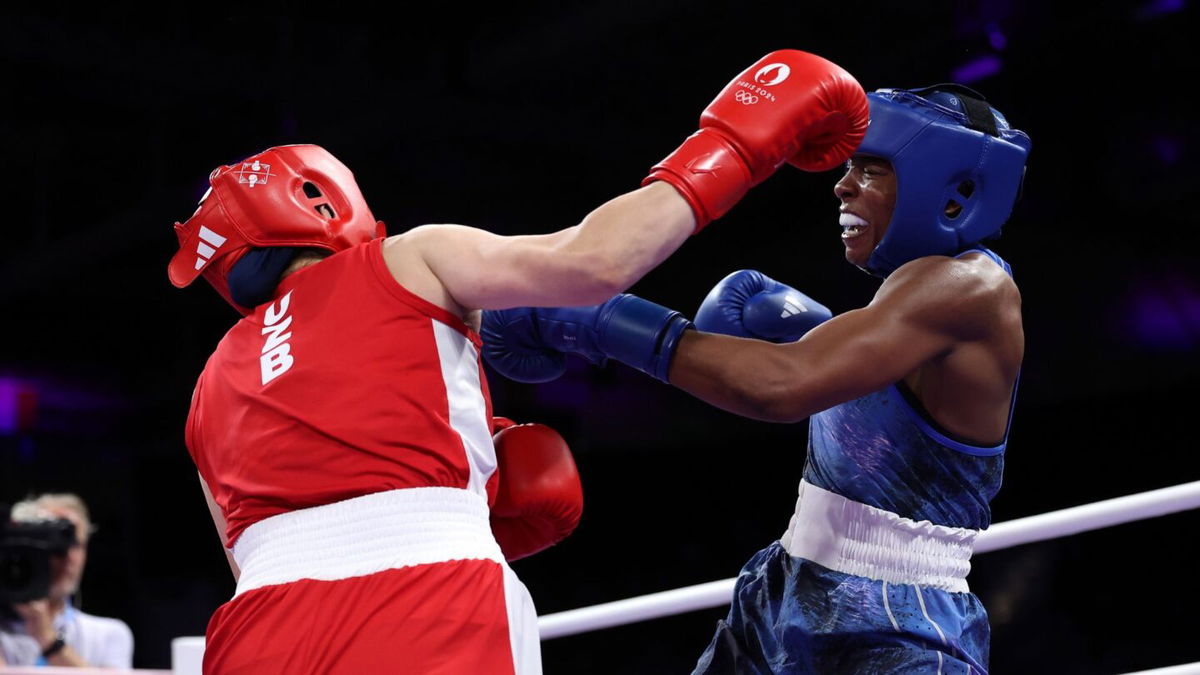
[
  {"x": 326, "y": 210},
  {"x": 936, "y": 142},
  {"x": 311, "y": 191}
]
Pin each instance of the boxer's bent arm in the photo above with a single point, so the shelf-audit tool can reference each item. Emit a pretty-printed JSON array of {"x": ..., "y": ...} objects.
[
  {"x": 214, "y": 510},
  {"x": 923, "y": 310},
  {"x": 612, "y": 248}
]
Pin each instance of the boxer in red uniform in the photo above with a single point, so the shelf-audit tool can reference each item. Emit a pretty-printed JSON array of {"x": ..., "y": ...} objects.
[{"x": 342, "y": 429}]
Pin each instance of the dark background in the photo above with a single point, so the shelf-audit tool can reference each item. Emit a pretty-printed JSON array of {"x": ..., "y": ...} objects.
[{"x": 520, "y": 118}]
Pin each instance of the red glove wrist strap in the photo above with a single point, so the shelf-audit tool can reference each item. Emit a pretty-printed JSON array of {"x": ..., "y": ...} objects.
[{"x": 708, "y": 172}]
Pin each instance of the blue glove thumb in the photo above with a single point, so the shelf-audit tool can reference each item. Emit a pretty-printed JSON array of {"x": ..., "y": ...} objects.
[{"x": 512, "y": 345}]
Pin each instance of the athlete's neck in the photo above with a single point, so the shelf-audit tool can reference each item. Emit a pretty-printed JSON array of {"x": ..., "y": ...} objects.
[{"x": 304, "y": 259}]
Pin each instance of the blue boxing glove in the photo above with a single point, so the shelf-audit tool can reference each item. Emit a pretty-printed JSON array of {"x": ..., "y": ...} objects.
[
  {"x": 528, "y": 344},
  {"x": 750, "y": 304}
]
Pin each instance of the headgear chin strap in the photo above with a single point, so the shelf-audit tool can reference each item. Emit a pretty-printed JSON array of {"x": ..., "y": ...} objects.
[
  {"x": 947, "y": 147},
  {"x": 291, "y": 195}
]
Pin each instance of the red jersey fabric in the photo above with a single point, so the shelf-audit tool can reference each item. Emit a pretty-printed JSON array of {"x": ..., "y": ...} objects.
[
  {"x": 346, "y": 384},
  {"x": 312, "y": 423}
]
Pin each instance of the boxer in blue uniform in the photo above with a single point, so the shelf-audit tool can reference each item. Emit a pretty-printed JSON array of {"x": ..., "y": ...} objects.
[{"x": 909, "y": 398}]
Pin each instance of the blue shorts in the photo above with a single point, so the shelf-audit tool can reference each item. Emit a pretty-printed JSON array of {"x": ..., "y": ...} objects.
[{"x": 791, "y": 615}]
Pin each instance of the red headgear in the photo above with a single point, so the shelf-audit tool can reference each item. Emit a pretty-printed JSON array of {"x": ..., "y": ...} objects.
[{"x": 291, "y": 195}]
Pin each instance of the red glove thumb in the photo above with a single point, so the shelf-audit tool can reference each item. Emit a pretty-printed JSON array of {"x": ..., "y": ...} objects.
[{"x": 500, "y": 424}]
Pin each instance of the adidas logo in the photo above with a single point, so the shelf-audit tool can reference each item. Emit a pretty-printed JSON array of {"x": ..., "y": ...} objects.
[
  {"x": 791, "y": 307},
  {"x": 204, "y": 251}
]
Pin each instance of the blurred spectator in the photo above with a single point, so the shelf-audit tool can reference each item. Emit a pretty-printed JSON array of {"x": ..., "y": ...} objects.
[{"x": 52, "y": 630}]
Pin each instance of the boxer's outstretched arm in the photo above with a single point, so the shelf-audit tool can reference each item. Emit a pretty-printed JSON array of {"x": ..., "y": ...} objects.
[
  {"x": 924, "y": 310},
  {"x": 614, "y": 246},
  {"x": 816, "y": 117}
]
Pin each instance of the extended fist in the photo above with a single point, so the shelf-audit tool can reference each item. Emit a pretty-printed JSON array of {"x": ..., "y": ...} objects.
[
  {"x": 750, "y": 304},
  {"x": 789, "y": 106},
  {"x": 528, "y": 344}
]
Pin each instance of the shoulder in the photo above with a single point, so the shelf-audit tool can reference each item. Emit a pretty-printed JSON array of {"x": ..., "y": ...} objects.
[
  {"x": 420, "y": 243},
  {"x": 411, "y": 258},
  {"x": 426, "y": 235},
  {"x": 964, "y": 294},
  {"x": 415, "y": 245},
  {"x": 974, "y": 274}
]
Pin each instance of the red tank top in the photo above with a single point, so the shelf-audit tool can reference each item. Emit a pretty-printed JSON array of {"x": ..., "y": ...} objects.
[{"x": 346, "y": 384}]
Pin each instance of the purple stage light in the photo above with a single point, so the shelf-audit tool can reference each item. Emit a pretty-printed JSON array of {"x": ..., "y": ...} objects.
[
  {"x": 1158, "y": 8},
  {"x": 978, "y": 69},
  {"x": 8, "y": 408},
  {"x": 35, "y": 403},
  {"x": 1158, "y": 325},
  {"x": 1168, "y": 149},
  {"x": 996, "y": 38},
  {"x": 18, "y": 406},
  {"x": 1166, "y": 315},
  {"x": 1191, "y": 314}
]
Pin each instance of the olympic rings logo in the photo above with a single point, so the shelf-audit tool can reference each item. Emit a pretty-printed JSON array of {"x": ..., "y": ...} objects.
[{"x": 745, "y": 98}]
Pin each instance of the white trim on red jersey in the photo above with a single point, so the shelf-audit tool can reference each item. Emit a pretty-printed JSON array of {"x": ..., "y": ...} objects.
[{"x": 468, "y": 410}]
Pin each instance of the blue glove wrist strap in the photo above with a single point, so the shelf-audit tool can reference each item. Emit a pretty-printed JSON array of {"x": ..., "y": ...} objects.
[{"x": 641, "y": 334}]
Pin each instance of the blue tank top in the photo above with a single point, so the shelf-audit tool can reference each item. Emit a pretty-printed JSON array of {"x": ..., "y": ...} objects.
[{"x": 884, "y": 450}]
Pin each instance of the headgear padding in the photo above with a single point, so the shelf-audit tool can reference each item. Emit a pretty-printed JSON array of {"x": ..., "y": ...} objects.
[
  {"x": 253, "y": 279},
  {"x": 946, "y": 144},
  {"x": 291, "y": 195}
]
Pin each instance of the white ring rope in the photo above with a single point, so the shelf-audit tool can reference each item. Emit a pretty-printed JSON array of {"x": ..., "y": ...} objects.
[
  {"x": 1095, "y": 516},
  {"x": 1001, "y": 535},
  {"x": 1185, "y": 669}
]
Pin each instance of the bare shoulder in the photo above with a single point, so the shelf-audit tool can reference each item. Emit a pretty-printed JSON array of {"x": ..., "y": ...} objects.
[
  {"x": 967, "y": 294},
  {"x": 408, "y": 257},
  {"x": 401, "y": 250},
  {"x": 412, "y": 242},
  {"x": 428, "y": 242}
]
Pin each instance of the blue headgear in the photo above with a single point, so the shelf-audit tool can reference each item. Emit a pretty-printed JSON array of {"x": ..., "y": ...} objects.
[{"x": 946, "y": 145}]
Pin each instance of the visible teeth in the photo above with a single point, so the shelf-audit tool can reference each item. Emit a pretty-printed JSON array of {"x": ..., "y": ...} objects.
[{"x": 852, "y": 225}]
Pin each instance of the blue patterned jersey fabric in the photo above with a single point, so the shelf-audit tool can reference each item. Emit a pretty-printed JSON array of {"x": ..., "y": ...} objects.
[
  {"x": 792, "y": 615},
  {"x": 875, "y": 450},
  {"x": 882, "y": 450}
]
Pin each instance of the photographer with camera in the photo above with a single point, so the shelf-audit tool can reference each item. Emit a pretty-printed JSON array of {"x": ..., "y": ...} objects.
[{"x": 43, "y": 550}]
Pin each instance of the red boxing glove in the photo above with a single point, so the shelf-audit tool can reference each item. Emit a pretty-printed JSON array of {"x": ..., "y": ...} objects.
[
  {"x": 790, "y": 105},
  {"x": 539, "y": 498},
  {"x": 500, "y": 424}
]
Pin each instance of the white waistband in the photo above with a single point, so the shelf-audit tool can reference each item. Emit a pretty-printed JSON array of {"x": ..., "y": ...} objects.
[
  {"x": 364, "y": 535},
  {"x": 854, "y": 538}
]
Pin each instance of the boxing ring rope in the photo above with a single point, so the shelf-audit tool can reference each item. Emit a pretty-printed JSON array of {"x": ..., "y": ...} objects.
[
  {"x": 1185, "y": 669},
  {"x": 1011, "y": 533},
  {"x": 187, "y": 652}
]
